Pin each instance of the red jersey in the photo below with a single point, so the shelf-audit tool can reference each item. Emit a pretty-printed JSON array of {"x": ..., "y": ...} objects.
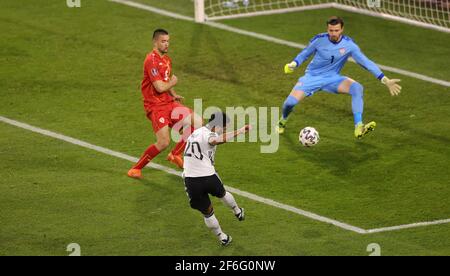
[{"x": 156, "y": 68}]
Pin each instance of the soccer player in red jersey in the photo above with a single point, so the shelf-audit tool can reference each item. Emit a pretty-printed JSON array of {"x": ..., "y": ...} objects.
[{"x": 162, "y": 105}]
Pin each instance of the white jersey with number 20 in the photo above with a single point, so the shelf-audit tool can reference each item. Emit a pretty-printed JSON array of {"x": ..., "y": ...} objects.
[{"x": 199, "y": 154}]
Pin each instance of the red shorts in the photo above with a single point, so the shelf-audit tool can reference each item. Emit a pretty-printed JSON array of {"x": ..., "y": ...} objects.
[{"x": 168, "y": 114}]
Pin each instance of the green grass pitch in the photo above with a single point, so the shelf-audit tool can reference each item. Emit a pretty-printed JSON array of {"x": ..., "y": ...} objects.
[{"x": 77, "y": 72}]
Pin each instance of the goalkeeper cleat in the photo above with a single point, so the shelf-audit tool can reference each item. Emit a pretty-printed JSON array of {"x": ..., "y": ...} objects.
[
  {"x": 369, "y": 127},
  {"x": 361, "y": 129},
  {"x": 176, "y": 159},
  {"x": 241, "y": 215},
  {"x": 135, "y": 173},
  {"x": 281, "y": 126},
  {"x": 227, "y": 241}
]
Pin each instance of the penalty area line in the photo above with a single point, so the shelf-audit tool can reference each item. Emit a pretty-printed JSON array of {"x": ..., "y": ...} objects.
[{"x": 241, "y": 193}]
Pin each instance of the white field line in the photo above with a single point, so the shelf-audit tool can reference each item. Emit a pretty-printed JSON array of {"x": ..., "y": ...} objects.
[
  {"x": 406, "y": 226},
  {"x": 154, "y": 10},
  {"x": 177, "y": 173},
  {"x": 248, "y": 195},
  {"x": 271, "y": 39}
]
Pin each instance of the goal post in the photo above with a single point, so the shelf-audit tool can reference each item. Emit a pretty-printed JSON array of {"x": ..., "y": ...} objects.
[
  {"x": 199, "y": 6},
  {"x": 433, "y": 14}
]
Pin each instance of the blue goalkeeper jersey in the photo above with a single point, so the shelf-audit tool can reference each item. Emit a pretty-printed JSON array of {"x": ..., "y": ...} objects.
[{"x": 330, "y": 57}]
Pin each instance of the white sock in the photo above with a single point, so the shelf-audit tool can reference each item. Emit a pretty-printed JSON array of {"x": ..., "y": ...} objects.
[
  {"x": 228, "y": 200},
  {"x": 213, "y": 224}
]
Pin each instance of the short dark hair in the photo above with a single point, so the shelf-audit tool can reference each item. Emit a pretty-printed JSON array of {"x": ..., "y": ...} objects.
[
  {"x": 218, "y": 119},
  {"x": 159, "y": 32},
  {"x": 334, "y": 20}
]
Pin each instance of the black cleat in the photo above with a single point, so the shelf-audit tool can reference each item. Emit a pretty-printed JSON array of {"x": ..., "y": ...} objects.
[
  {"x": 241, "y": 215},
  {"x": 226, "y": 241}
]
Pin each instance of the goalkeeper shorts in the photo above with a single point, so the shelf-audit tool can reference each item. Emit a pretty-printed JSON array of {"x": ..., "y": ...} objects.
[{"x": 311, "y": 84}]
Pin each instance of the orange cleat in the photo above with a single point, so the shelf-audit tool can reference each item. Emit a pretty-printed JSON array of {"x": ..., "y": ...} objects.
[
  {"x": 176, "y": 159},
  {"x": 135, "y": 173}
]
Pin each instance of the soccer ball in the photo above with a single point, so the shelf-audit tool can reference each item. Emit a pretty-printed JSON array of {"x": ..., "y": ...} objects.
[{"x": 309, "y": 136}]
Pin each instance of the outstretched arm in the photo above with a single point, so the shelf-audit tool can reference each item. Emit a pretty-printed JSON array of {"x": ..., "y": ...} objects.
[
  {"x": 228, "y": 136},
  {"x": 370, "y": 66},
  {"x": 366, "y": 63},
  {"x": 302, "y": 57}
]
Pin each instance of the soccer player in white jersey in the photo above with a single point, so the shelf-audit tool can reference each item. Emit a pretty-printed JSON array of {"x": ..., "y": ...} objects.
[
  {"x": 331, "y": 51},
  {"x": 200, "y": 177}
]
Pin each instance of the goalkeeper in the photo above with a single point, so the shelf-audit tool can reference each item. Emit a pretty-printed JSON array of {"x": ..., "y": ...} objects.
[{"x": 331, "y": 51}]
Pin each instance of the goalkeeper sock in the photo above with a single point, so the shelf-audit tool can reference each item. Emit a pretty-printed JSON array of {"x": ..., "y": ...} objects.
[
  {"x": 357, "y": 92},
  {"x": 229, "y": 201},
  {"x": 289, "y": 105},
  {"x": 148, "y": 155},
  {"x": 213, "y": 224}
]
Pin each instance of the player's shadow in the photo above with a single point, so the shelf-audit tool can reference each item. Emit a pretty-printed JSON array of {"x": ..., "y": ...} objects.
[
  {"x": 159, "y": 187},
  {"x": 440, "y": 142},
  {"x": 335, "y": 158},
  {"x": 203, "y": 42},
  {"x": 396, "y": 124},
  {"x": 158, "y": 193}
]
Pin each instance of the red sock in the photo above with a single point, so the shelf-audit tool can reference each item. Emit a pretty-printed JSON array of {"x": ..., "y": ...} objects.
[
  {"x": 150, "y": 153},
  {"x": 179, "y": 147}
]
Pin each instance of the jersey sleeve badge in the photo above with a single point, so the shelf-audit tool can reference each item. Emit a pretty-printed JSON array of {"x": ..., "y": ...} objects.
[{"x": 154, "y": 72}]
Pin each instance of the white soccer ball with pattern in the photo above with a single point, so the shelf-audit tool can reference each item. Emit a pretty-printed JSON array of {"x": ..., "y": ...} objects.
[{"x": 309, "y": 137}]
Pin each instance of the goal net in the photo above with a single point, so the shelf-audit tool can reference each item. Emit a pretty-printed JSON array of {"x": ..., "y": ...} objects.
[{"x": 433, "y": 14}]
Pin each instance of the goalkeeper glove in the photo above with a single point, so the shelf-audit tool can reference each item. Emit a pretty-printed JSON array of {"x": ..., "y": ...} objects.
[
  {"x": 394, "y": 88},
  {"x": 290, "y": 67}
]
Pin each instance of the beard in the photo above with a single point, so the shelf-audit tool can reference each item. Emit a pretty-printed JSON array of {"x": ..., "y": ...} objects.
[{"x": 164, "y": 50}]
